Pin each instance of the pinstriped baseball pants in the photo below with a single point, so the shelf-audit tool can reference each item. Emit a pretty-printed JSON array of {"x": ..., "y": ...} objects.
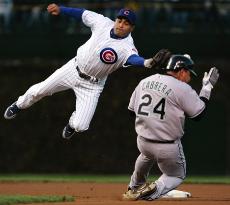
[{"x": 66, "y": 77}]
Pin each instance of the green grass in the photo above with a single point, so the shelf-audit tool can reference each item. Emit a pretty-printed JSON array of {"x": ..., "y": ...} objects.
[
  {"x": 208, "y": 180},
  {"x": 63, "y": 178},
  {"x": 100, "y": 178},
  {"x": 25, "y": 199}
]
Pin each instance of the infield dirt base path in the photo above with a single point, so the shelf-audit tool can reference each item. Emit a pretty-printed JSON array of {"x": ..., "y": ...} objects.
[{"x": 110, "y": 193}]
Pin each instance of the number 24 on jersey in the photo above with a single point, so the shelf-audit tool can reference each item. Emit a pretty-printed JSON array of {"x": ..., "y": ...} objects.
[{"x": 158, "y": 108}]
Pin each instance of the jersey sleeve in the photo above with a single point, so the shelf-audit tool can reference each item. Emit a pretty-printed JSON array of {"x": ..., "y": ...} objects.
[
  {"x": 131, "y": 53},
  {"x": 93, "y": 19},
  {"x": 191, "y": 102},
  {"x": 132, "y": 101}
]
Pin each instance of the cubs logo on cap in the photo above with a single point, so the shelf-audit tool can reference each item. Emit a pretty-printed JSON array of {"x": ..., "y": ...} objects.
[
  {"x": 127, "y": 14},
  {"x": 108, "y": 56}
]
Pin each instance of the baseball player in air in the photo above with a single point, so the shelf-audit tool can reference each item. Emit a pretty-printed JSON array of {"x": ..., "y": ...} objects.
[
  {"x": 160, "y": 103},
  {"x": 109, "y": 48}
]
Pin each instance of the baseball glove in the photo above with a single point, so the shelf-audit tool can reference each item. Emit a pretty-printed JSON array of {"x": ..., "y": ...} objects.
[{"x": 160, "y": 60}]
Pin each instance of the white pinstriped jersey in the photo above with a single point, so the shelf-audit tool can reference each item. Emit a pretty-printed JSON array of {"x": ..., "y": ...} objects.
[
  {"x": 160, "y": 103},
  {"x": 101, "y": 54},
  {"x": 98, "y": 57}
]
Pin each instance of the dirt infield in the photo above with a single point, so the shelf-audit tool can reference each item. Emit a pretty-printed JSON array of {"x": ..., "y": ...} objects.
[{"x": 110, "y": 194}]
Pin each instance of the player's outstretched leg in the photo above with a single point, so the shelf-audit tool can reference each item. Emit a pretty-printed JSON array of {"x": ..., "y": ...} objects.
[
  {"x": 11, "y": 111},
  {"x": 68, "y": 132}
]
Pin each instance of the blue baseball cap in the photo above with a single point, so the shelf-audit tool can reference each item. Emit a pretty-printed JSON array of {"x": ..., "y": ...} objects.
[{"x": 127, "y": 14}]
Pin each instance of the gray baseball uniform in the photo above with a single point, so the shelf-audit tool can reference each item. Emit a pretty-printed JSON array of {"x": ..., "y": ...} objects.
[{"x": 160, "y": 103}]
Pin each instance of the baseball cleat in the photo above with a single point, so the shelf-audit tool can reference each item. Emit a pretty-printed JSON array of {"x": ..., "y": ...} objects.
[
  {"x": 68, "y": 132},
  {"x": 11, "y": 111},
  {"x": 177, "y": 194},
  {"x": 135, "y": 194}
]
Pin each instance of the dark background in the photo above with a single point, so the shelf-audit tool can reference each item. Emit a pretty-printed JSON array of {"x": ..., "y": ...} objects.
[{"x": 33, "y": 45}]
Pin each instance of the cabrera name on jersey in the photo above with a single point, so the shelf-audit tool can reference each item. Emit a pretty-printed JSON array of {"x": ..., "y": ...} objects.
[
  {"x": 157, "y": 86},
  {"x": 160, "y": 103}
]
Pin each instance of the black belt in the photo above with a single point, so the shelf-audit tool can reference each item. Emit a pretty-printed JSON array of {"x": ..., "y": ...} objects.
[
  {"x": 86, "y": 77},
  {"x": 157, "y": 141}
]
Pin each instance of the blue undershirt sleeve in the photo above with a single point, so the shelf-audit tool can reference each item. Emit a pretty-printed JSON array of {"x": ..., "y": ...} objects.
[
  {"x": 72, "y": 12},
  {"x": 135, "y": 60}
]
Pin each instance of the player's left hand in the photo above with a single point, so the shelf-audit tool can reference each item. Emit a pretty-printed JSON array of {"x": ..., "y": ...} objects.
[
  {"x": 160, "y": 60},
  {"x": 211, "y": 78}
]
